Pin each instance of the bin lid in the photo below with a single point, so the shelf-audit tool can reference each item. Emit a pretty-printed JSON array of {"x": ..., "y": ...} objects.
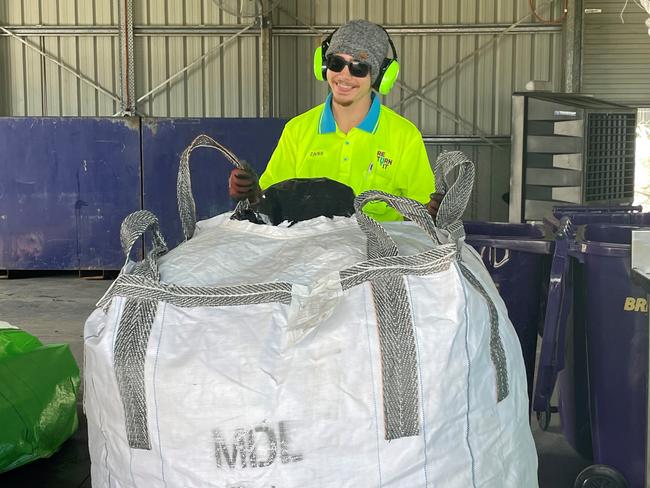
[
  {"x": 558, "y": 303},
  {"x": 529, "y": 238},
  {"x": 623, "y": 214},
  {"x": 503, "y": 229},
  {"x": 607, "y": 239},
  {"x": 610, "y": 233}
]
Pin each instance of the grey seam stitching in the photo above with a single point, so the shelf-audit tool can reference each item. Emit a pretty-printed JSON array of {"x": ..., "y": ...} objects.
[
  {"x": 118, "y": 319},
  {"x": 469, "y": 369},
  {"x": 131, "y": 466},
  {"x": 497, "y": 352},
  {"x": 92, "y": 380},
  {"x": 417, "y": 352},
  {"x": 155, "y": 395},
  {"x": 374, "y": 394}
]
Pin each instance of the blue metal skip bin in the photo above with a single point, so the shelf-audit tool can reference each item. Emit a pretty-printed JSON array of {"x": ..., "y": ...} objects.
[
  {"x": 66, "y": 184},
  {"x": 517, "y": 257}
]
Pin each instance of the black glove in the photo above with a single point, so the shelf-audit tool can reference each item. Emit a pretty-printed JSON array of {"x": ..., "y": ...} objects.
[
  {"x": 434, "y": 204},
  {"x": 243, "y": 184}
]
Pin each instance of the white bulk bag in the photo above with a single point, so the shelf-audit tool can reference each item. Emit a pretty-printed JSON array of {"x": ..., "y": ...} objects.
[{"x": 363, "y": 367}]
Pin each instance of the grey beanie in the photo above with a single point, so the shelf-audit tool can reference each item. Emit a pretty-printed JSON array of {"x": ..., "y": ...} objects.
[{"x": 362, "y": 40}]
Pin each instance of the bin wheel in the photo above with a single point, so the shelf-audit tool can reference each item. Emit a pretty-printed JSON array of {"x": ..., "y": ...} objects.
[
  {"x": 544, "y": 418},
  {"x": 600, "y": 476}
]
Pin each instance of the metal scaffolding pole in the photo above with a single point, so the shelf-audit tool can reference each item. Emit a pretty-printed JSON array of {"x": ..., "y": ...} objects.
[
  {"x": 127, "y": 61},
  {"x": 266, "y": 63},
  {"x": 573, "y": 47},
  {"x": 278, "y": 30}
]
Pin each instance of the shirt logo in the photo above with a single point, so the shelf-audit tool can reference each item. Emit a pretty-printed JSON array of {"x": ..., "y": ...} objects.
[
  {"x": 314, "y": 154},
  {"x": 383, "y": 161}
]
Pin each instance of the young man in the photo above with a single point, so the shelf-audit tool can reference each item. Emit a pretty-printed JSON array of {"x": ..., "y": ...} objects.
[{"x": 352, "y": 138}]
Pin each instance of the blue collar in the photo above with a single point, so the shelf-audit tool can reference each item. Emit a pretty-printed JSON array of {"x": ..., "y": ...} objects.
[{"x": 327, "y": 123}]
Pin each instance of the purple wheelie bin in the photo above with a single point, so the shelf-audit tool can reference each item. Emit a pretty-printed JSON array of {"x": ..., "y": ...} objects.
[
  {"x": 616, "y": 319},
  {"x": 563, "y": 353},
  {"x": 517, "y": 257},
  {"x": 572, "y": 380},
  {"x": 599, "y": 352}
]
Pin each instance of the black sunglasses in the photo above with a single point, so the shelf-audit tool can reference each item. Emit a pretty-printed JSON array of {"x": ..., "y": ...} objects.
[{"x": 357, "y": 69}]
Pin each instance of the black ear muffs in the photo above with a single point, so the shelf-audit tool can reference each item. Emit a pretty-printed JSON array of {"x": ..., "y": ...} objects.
[{"x": 384, "y": 80}]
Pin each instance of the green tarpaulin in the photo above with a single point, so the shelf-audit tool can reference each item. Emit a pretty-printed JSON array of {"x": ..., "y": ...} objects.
[{"x": 38, "y": 397}]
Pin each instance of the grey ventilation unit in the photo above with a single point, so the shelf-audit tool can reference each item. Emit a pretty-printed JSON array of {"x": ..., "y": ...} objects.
[{"x": 569, "y": 149}]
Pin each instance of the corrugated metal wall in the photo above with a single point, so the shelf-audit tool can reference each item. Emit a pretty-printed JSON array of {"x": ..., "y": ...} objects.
[
  {"x": 616, "y": 55},
  {"x": 473, "y": 98},
  {"x": 224, "y": 84},
  {"x": 33, "y": 85},
  {"x": 492, "y": 180}
]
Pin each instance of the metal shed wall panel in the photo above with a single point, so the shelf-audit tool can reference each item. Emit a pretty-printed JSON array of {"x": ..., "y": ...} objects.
[
  {"x": 34, "y": 85},
  {"x": 223, "y": 84},
  {"x": 473, "y": 98},
  {"x": 186, "y": 12},
  {"x": 616, "y": 55},
  {"x": 401, "y": 12},
  {"x": 492, "y": 178}
]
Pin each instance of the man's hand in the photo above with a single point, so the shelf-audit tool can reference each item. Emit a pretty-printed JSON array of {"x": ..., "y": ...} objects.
[
  {"x": 434, "y": 204},
  {"x": 243, "y": 184}
]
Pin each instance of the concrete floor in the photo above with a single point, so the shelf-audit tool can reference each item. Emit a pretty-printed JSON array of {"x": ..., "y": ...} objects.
[{"x": 54, "y": 309}]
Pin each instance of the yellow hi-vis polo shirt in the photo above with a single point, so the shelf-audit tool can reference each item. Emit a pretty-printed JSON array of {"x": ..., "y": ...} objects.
[{"x": 384, "y": 152}]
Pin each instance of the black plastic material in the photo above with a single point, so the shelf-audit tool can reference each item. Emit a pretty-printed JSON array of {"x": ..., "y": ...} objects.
[{"x": 301, "y": 199}]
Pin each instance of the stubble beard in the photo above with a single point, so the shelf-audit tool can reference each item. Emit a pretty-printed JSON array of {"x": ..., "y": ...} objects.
[{"x": 343, "y": 103}]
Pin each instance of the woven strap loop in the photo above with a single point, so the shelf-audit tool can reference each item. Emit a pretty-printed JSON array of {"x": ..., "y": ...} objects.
[
  {"x": 186, "y": 204},
  {"x": 380, "y": 244},
  {"x": 457, "y": 192},
  {"x": 136, "y": 225}
]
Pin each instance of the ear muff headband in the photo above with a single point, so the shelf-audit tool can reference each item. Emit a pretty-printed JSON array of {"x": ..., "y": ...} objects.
[{"x": 388, "y": 71}]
